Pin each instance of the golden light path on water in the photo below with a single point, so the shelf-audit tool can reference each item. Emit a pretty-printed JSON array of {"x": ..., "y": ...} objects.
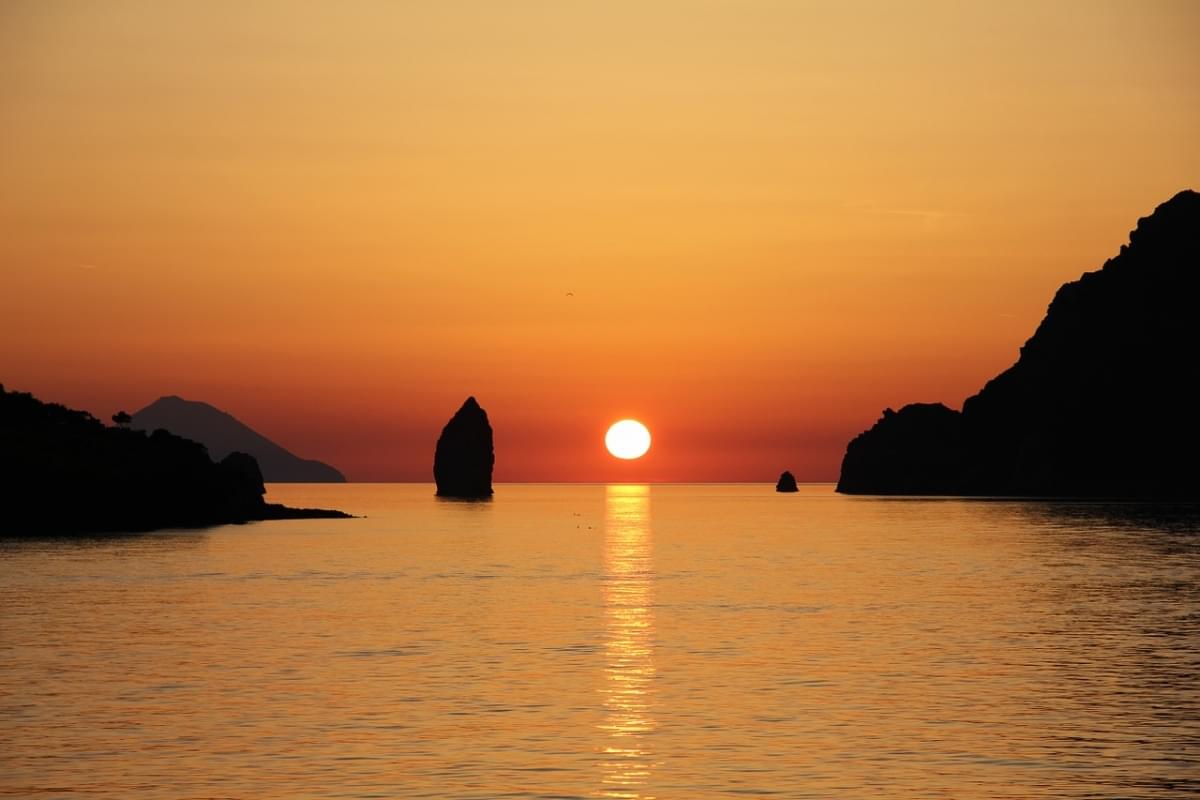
[{"x": 627, "y": 757}]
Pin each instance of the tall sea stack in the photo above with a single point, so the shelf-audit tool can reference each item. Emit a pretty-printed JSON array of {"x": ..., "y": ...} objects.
[{"x": 462, "y": 463}]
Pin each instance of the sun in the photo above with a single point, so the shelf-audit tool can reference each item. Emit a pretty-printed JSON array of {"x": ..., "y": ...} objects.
[{"x": 627, "y": 439}]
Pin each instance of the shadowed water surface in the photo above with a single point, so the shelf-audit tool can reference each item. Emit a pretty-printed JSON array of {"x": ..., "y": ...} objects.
[{"x": 619, "y": 642}]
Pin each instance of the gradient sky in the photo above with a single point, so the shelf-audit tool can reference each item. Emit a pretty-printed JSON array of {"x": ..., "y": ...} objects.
[{"x": 337, "y": 220}]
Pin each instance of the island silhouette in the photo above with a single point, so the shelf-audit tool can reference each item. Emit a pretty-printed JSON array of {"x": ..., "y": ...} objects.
[
  {"x": 65, "y": 472},
  {"x": 222, "y": 434},
  {"x": 1101, "y": 402}
]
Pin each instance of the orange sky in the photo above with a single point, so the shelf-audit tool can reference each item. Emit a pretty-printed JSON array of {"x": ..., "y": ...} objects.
[{"x": 776, "y": 218}]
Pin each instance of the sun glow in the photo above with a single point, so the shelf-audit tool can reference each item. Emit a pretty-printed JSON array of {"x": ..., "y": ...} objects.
[{"x": 627, "y": 439}]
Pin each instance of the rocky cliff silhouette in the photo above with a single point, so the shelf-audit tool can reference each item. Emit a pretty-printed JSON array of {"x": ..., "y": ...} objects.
[
  {"x": 1100, "y": 403},
  {"x": 63, "y": 471},
  {"x": 463, "y": 460},
  {"x": 223, "y": 434}
]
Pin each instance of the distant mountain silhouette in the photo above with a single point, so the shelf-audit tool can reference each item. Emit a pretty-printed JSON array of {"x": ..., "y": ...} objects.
[
  {"x": 223, "y": 434},
  {"x": 1101, "y": 403},
  {"x": 63, "y": 471},
  {"x": 464, "y": 457}
]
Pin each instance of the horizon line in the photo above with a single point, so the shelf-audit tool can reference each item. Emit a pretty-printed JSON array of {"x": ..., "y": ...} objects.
[{"x": 557, "y": 483}]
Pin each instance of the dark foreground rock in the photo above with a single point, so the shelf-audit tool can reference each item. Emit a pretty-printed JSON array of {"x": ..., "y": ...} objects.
[
  {"x": 63, "y": 471},
  {"x": 463, "y": 460},
  {"x": 223, "y": 434},
  {"x": 917, "y": 450},
  {"x": 787, "y": 483},
  {"x": 1101, "y": 402},
  {"x": 278, "y": 511}
]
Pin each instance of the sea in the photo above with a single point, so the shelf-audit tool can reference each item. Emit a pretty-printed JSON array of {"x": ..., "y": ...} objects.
[{"x": 611, "y": 641}]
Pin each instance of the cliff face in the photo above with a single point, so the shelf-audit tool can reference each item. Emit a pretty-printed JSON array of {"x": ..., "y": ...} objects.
[
  {"x": 223, "y": 434},
  {"x": 1100, "y": 403},
  {"x": 62, "y": 471},
  {"x": 463, "y": 460}
]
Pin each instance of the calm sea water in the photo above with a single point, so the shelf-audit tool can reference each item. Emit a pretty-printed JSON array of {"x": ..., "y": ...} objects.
[{"x": 611, "y": 641}]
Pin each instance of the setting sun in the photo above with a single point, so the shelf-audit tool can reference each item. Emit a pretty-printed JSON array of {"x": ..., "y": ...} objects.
[{"x": 627, "y": 439}]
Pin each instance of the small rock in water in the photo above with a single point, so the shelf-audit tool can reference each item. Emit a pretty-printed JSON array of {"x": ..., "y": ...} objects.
[{"x": 787, "y": 483}]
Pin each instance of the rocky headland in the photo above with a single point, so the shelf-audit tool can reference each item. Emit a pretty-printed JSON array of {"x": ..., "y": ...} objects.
[
  {"x": 1101, "y": 402},
  {"x": 64, "y": 472}
]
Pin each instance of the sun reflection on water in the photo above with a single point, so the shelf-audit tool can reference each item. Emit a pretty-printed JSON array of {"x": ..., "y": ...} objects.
[{"x": 626, "y": 755}]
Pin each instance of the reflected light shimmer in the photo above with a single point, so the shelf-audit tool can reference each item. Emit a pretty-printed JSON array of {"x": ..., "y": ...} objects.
[{"x": 629, "y": 616}]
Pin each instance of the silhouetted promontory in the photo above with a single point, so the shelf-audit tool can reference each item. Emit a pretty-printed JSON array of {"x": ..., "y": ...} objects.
[
  {"x": 916, "y": 450},
  {"x": 63, "y": 471},
  {"x": 223, "y": 434},
  {"x": 1101, "y": 402},
  {"x": 463, "y": 460},
  {"x": 787, "y": 483}
]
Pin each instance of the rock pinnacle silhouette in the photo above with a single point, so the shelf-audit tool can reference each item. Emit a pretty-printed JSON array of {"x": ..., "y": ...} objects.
[{"x": 463, "y": 460}]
